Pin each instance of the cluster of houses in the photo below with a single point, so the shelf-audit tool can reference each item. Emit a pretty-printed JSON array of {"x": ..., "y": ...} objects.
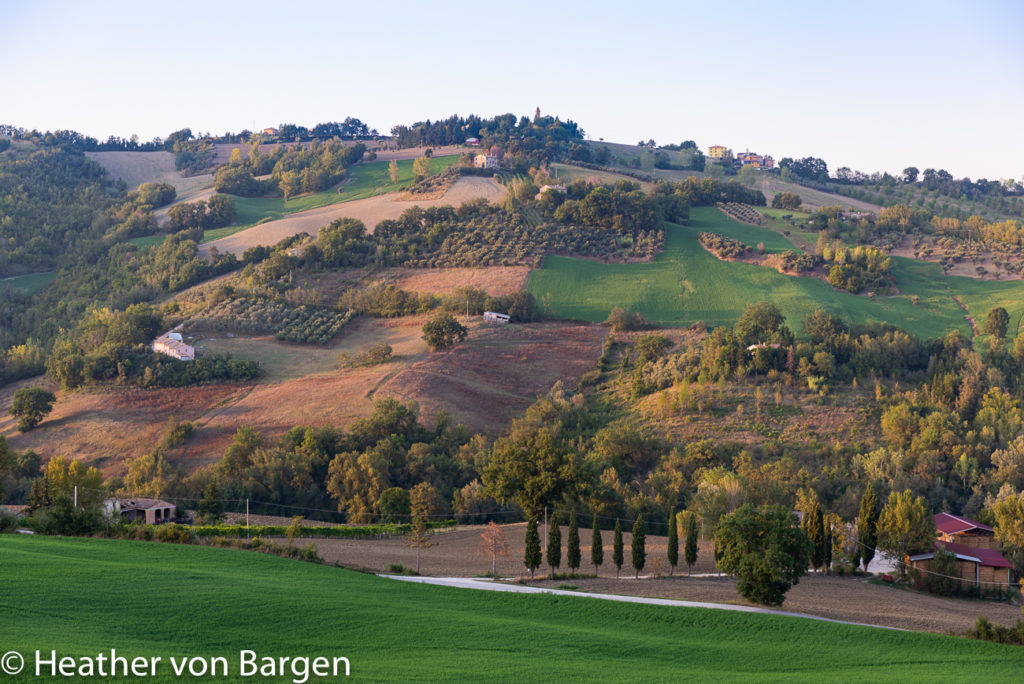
[
  {"x": 173, "y": 345},
  {"x": 722, "y": 154}
]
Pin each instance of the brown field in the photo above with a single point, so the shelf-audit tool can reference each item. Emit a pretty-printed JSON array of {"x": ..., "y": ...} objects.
[
  {"x": 494, "y": 280},
  {"x": 370, "y": 211},
  {"x": 136, "y": 168},
  {"x": 842, "y": 598},
  {"x": 483, "y": 382},
  {"x": 770, "y": 184}
]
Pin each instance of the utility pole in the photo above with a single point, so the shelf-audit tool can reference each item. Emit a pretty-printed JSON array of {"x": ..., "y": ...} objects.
[
  {"x": 247, "y": 518},
  {"x": 76, "y": 496}
]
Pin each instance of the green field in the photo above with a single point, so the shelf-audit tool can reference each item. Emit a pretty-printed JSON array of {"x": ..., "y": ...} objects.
[
  {"x": 364, "y": 180},
  {"x": 685, "y": 284},
  {"x": 82, "y": 597},
  {"x": 32, "y": 282}
]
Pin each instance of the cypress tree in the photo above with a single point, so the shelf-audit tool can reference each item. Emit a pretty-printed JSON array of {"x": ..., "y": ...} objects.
[
  {"x": 673, "y": 542},
  {"x": 814, "y": 527},
  {"x": 867, "y": 525},
  {"x": 829, "y": 540},
  {"x": 572, "y": 552},
  {"x": 596, "y": 547},
  {"x": 554, "y": 545},
  {"x": 639, "y": 545},
  {"x": 617, "y": 548},
  {"x": 531, "y": 558},
  {"x": 691, "y": 541}
]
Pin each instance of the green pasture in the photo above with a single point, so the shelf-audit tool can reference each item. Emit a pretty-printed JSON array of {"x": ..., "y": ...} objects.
[
  {"x": 364, "y": 180},
  {"x": 82, "y": 597},
  {"x": 685, "y": 284},
  {"x": 31, "y": 282}
]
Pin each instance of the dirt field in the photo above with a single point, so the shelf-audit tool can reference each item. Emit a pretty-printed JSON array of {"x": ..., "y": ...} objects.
[
  {"x": 136, "y": 168},
  {"x": 104, "y": 427},
  {"x": 494, "y": 280},
  {"x": 370, "y": 211},
  {"x": 496, "y": 373},
  {"x": 854, "y": 599}
]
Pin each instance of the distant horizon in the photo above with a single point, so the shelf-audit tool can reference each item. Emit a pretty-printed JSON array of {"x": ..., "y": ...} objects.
[{"x": 862, "y": 87}]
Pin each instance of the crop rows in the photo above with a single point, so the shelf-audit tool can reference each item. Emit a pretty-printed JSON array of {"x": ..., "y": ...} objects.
[{"x": 303, "y": 324}]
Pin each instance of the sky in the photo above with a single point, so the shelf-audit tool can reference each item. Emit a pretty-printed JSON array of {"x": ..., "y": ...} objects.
[{"x": 874, "y": 86}]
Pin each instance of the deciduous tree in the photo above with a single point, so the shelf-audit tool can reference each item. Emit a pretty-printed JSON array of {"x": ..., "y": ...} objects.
[
  {"x": 393, "y": 171},
  {"x": 493, "y": 544},
  {"x": 765, "y": 549},
  {"x": 905, "y": 527},
  {"x": 419, "y": 537},
  {"x": 996, "y": 322},
  {"x": 30, "y": 406},
  {"x": 443, "y": 331}
]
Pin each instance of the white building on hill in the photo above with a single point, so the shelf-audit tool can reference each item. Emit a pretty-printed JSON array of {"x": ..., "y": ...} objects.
[{"x": 172, "y": 345}]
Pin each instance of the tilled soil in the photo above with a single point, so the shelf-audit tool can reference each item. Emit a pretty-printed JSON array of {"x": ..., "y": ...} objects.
[{"x": 456, "y": 554}]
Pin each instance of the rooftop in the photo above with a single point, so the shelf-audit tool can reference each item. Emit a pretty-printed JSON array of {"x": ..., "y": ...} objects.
[{"x": 948, "y": 523}]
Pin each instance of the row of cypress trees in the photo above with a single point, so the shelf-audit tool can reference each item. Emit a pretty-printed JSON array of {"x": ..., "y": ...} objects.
[{"x": 638, "y": 549}]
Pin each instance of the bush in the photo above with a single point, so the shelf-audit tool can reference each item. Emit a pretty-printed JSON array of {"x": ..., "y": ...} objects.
[{"x": 620, "y": 320}]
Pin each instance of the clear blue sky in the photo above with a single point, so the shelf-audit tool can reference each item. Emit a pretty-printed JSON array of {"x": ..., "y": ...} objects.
[{"x": 870, "y": 85}]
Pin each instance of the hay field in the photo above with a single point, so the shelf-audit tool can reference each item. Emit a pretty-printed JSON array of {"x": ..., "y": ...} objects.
[
  {"x": 370, "y": 211},
  {"x": 136, "y": 168}
]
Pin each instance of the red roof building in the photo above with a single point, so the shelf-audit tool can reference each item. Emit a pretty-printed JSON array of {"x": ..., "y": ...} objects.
[{"x": 979, "y": 558}]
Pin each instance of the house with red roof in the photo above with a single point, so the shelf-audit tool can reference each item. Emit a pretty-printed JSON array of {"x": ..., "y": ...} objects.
[{"x": 979, "y": 558}]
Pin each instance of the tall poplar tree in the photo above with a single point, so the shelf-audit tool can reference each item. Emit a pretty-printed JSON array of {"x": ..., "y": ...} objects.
[
  {"x": 572, "y": 551},
  {"x": 554, "y": 545},
  {"x": 596, "y": 547},
  {"x": 673, "y": 542},
  {"x": 531, "y": 559},
  {"x": 639, "y": 545},
  {"x": 867, "y": 525},
  {"x": 691, "y": 541},
  {"x": 617, "y": 548}
]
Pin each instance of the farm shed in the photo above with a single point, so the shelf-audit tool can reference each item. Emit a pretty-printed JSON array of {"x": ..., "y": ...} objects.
[
  {"x": 979, "y": 558},
  {"x": 150, "y": 511},
  {"x": 496, "y": 317}
]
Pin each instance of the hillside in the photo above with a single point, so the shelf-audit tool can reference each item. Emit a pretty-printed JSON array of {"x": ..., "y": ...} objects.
[
  {"x": 136, "y": 168},
  {"x": 279, "y": 607},
  {"x": 371, "y": 211}
]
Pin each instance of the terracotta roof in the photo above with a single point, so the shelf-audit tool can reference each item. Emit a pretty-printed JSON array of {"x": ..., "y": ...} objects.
[
  {"x": 987, "y": 557},
  {"x": 954, "y": 524}
]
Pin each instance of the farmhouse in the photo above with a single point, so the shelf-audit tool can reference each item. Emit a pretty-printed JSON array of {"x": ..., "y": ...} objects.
[
  {"x": 496, "y": 317},
  {"x": 269, "y": 131},
  {"x": 485, "y": 161},
  {"x": 979, "y": 560},
  {"x": 544, "y": 188},
  {"x": 473, "y": 142},
  {"x": 150, "y": 511},
  {"x": 171, "y": 344}
]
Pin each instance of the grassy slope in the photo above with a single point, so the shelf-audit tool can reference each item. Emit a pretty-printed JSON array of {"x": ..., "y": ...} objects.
[
  {"x": 364, "y": 180},
  {"x": 60, "y": 594},
  {"x": 685, "y": 284},
  {"x": 32, "y": 282}
]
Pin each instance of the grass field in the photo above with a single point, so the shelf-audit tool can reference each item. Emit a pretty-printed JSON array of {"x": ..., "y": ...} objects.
[
  {"x": 685, "y": 284},
  {"x": 185, "y": 601},
  {"x": 32, "y": 282},
  {"x": 364, "y": 180}
]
